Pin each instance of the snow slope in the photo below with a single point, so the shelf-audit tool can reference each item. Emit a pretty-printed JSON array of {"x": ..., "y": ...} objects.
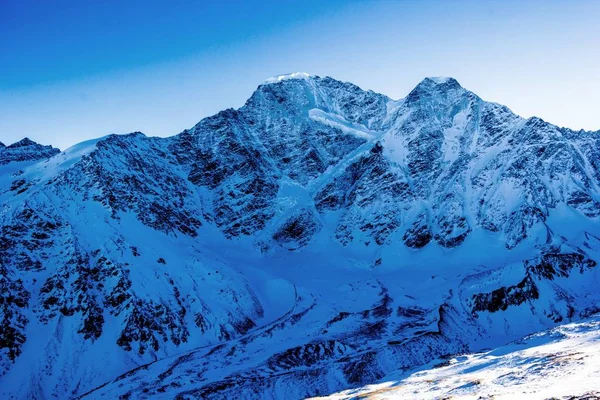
[
  {"x": 316, "y": 239},
  {"x": 561, "y": 363}
]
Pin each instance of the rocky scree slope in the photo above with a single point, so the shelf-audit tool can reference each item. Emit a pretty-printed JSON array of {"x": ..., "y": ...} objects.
[{"x": 315, "y": 239}]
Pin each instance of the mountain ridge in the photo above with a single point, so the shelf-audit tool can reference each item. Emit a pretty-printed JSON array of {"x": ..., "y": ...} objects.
[{"x": 304, "y": 75}]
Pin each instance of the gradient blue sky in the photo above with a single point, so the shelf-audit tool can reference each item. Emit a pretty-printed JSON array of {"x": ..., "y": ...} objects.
[{"x": 74, "y": 70}]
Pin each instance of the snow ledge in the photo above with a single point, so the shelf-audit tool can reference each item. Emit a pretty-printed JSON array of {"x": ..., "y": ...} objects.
[{"x": 285, "y": 77}]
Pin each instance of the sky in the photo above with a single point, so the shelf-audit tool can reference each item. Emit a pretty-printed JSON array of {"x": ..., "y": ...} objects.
[{"x": 73, "y": 70}]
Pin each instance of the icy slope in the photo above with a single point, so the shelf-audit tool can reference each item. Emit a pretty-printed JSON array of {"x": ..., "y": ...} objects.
[
  {"x": 318, "y": 238},
  {"x": 561, "y": 363}
]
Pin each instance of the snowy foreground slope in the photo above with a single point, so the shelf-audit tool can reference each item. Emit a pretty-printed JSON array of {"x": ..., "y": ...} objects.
[
  {"x": 317, "y": 239},
  {"x": 561, "y": 363}
]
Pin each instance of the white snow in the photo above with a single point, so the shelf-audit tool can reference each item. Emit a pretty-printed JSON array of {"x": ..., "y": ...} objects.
[
  {"x": 439, "y": 79},
  {"x": 285, "y": 77},
  {"x": 453, "y": 134}
]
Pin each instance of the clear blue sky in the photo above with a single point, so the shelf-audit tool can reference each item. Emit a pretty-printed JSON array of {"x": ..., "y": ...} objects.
[{"x": 74, "y": 70}]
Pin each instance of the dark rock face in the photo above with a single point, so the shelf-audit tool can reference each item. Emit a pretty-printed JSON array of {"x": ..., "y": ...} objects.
[
  {"x": 551, "y": 265},
  {"x": 26, "y": 243},
  {"x": 584, "y": 202},
  {"x": 150, "y": 324},
  {"x": 364, "y": 369},
  {"x": 87, "y": 285},
  {"x": 236, "y": 172},
  {"x": 297, "y": 231},
  {"x": 501, "y": 298},
  {"x": 519, "y": 223},
  {"x": 307, "y": 355},
  {"x": 594, "y": 395},
  {"x": 419, "y": 233},
  {"x": 367, "y": 192},
  {"x": 554, "y": 265},
  {"x": 14, "y": 300}
]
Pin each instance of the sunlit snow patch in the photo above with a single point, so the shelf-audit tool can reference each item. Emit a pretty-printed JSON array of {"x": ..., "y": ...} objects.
[
  {"x": 285, "y": 77},
  {"x": 439, "y": 79},
  {"x": 558, "y": 363}
]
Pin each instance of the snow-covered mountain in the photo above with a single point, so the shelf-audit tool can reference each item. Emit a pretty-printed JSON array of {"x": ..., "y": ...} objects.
[{"x": 316, "y": 239}]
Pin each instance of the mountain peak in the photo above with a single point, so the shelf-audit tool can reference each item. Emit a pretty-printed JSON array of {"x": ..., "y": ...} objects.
[
  {"x": 440, "y": 82},
  {"x": 286, "y": 77},
  {"x": 434, "y": 86},
  {"x": 26, "y": 150},
  {"x": 440, "y": 79},
  {"x": 22, "y": 143}
]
